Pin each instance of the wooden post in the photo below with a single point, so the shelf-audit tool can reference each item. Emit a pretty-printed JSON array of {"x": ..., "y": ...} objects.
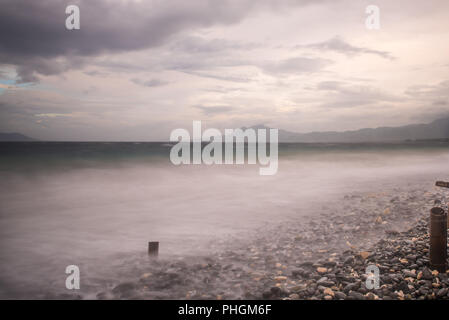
[
  {"x": 153, "y": 248},
  {"x": 442, "y": 184},
  {"x": 438, "y": 239}
]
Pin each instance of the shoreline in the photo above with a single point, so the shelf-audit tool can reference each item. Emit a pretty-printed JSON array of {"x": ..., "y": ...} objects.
[
  {"x": 322, "y": 258},
  {"x": 322, "y": 255}
]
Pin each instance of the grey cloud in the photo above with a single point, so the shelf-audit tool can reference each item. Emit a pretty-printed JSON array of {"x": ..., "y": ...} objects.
[
  {"x": 195, "y": 44},
  {"x": 426, "y": 114},
  {"x": 33, "y": 32},
  {"x": 217, "y": 66},
  {"x": 3, "y": 73},
  {"x": 344, "y": 95},
  {"x": 28, "y": 68},
  {"x": 214, "y": 110},
  {"x": 221, "y": 89},
  {"x": 329, "y": 85},
  {"x": 195, "y": 61},
  {"x": 339, "y": 45},
  {"x": 149, "y": 83},
  {"x": 433, "y": 97},
  {"x": 438, "y": 91},
  {"x": 439, "y": 103},
  {"x": 223, "y": 77},
  {"x": 95, "y": 73},
  {"x": 27, "y": 103},
  {"x": 296, "y": 65}
]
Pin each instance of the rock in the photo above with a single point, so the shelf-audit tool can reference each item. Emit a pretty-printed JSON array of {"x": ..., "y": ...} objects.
[
  {"x": 328, "y": 297},
  {"x": 321, "y": 288},
  {"x": 402, "y": 286},
  {"x": 321, "y": 270},
  {"x": 306, "y": 274},
  {"x": 442, "y": 292},
  {"x": 330, "y": 263},
  {"x": 306, "y": 264},
  {"x": 423, "y": 291},
  {"x": 329, "y": 292},
  {"x": 371, "y": 296},
  {"x": 392, "y": 232},
  {"x": 394, "y": 199},
  {"x": 350, "y": 245},
  {"x": 364, "y": 254},
  {"x": 427, "y": 274},
  {"x": 280, "y": 278},
  {"x": 339, "y": 295},
  {"x": 356, "y": 295},
  {"x": 105, "y": 295},
  {"x": 297, "y": 273},
  {"x": 321, "y": 280},
  {"x": 350, "y": 287},
  {"x": 266, "y": 294},
  {"x": 294, "y": 296},
  {"x": 275, "y": 291},
  {"x": 408, "y": 274},
  {"x": 124, "y": 288},
  {"x": 328, "y": 283},
  {"x": 348, "y": 260}
]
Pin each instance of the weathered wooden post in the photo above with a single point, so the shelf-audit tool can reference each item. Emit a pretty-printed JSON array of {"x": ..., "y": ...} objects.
[
  {"x": 442, "y": 184},
  {"x": 438, "y": 239},
  {"x": 153, "y": 248},
  {"x": 438, "y": 235}
]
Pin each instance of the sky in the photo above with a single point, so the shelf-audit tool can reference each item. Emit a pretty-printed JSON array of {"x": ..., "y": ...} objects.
[{"x": 136, "y": 70}]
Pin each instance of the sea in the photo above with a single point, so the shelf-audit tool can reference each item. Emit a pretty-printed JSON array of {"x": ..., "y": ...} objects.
[{"x": 93, "y": 203}]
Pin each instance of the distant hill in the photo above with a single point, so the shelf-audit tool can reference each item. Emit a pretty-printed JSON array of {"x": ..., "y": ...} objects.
[
  {"x": 438, "y": 129},
  {"x": 14, "y": 137}
]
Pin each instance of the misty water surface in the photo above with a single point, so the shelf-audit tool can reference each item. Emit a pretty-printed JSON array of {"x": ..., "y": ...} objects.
[{"x": 55, "y": 214}]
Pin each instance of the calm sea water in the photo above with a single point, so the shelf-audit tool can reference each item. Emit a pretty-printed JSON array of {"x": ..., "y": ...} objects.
[
  {"x": 88, "y": 203},
  {"x": 70, "y": 155}
]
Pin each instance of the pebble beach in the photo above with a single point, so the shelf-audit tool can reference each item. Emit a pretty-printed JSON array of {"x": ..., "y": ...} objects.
[{"x": 322, "y": 258}]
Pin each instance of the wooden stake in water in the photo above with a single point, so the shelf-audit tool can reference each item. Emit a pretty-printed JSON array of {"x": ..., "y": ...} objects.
[{"x": 153, "y": 248}]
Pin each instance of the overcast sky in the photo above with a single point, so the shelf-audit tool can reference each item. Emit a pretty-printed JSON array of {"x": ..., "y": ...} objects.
[{"x": 136, "y": 70}]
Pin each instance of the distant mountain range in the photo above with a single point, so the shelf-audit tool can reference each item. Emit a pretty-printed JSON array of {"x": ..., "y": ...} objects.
[
  {"x": 438, "y": 129},
  {"x": 14, "y": 137}
]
